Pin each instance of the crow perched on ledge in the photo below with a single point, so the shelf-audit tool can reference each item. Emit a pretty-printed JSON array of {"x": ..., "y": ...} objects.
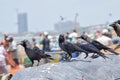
[
  {"x": 97, "y": 44},
  {"x": 35, "y": 53},
  {"x": 91, "y": 49},
  {"x": 116, "y": 27},
  {"x": 69, "y": 47}
]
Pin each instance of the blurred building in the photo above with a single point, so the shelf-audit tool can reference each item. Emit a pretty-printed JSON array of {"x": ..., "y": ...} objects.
[
  {"x": 22, "y": 23},
  {"x": 93, "y": 28},
  {"x": 65, "y": 26}
]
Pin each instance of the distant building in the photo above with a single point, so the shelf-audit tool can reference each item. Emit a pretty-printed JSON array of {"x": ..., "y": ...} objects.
[
  {"x": 93, "y": 28},
  {"x": 66, "y": 26},
  {"x": 22, "y": 23}
]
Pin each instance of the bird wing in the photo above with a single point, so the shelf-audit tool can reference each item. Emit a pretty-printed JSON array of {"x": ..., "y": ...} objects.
[
  {"x": 61, "y": 45},
  {"x": 101, "y": 46},
  {"x": 92, "y": 49},
  {"x": 88, "y": 47},
  {"x": 69, "y": 46},
  {"x": 73, "y": 47}
]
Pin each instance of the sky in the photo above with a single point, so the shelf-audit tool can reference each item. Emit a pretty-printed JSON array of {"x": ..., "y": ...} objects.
[{"x": 43, "y": 14}]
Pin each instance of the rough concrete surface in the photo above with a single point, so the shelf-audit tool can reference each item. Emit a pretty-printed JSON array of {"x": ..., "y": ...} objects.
[{"x": 76, "y": 69}]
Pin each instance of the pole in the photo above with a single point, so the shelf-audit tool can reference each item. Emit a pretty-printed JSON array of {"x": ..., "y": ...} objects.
[{"x": 75, "y": 25}]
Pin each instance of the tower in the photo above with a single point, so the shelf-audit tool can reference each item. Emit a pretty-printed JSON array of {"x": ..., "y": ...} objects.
[{"x": 22, "y": 23}]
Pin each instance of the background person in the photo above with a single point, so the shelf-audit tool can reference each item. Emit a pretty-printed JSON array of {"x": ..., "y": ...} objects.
[
  {"x": 12, "y": 49},
  {"x": 46, "y": 43},
  {"x": 73, "y": 36},
  {"x": 13, "y": 55},
  {"x": 104, "y": 38},
  {"x": 33, "y": 42},
  {"x": 4, "y": 41},
  {"x": 3, "y": 55}
]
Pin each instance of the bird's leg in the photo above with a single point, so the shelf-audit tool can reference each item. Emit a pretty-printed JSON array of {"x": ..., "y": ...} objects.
[
  {"x": 86, "y": 55},
  {"x": 38, "y": 62},
  {"x": 66, "y": 56},
  {"x": 35, "y": 62},
  {"x": 32, "y": 62},
  {"x": 70, "y": 56}
]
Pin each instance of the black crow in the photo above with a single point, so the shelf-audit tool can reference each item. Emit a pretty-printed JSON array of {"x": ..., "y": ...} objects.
[
  {"x": 91, "y": 49},
  {"x": 42, "y": 53},
  {"x": 69, "y": 47},
  {"x": 116, "y": 27},
  {"x": 98, "y": 44},
  {"x": 35, "y": 53}
]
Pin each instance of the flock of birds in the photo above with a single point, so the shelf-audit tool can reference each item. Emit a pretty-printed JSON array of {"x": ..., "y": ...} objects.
[{"x": 92, "y": 46}]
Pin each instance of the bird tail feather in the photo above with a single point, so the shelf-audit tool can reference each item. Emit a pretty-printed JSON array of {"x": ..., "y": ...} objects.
[{"x": 110, "y": 50}]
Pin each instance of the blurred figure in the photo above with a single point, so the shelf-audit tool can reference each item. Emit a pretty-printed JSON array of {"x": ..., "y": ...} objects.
[
  {"x": 33, "y": 42},
  {"x": 13, "y": 56},
  {"x": 67, "y": 37},
  {"x": 5, "y": 42},
  {"x": 41, "y": 39},
  {"x": 73, "y": 36},
  {"x": 105, "y": 39},
  {"x": 85, "y": 33},
  {"x": 2, "y": 60},
  {"x": 116, "y": 41},
  {"x": 109, "y": 34},
  {"x": 12, "y": 50},
  {"x": 97, "y": 34},
  {"x": 46, "y": 43}
]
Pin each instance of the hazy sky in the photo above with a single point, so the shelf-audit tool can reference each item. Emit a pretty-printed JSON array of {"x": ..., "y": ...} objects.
[{"x": 43, "y": 14}]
